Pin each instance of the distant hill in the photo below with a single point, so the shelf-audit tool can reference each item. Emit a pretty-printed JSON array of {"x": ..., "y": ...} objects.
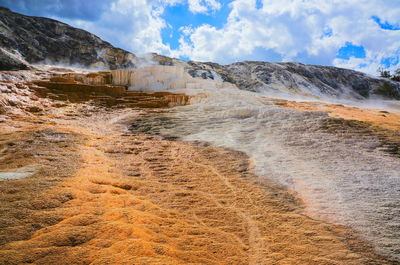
[
  {"x": 300, "y": 79},
  {"x": 26, "y": 39}
]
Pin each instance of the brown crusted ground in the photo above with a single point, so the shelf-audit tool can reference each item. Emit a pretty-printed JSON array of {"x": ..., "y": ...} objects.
[
  {"x": 104, "y": 196},
  {"x": 383, "y": 119},
  {"x": 384, "y": 125}
]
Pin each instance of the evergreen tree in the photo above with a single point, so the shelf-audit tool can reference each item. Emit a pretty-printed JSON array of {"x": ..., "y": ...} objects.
[
  {"x": 396, "y": 75},
  {"x": 384, "y": 73}
]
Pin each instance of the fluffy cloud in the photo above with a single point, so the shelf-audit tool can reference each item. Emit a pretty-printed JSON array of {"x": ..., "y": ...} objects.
[
  {"x": 131, "y": 25},
  {"x": 293, "y": 30},
  {"x": 203, "y": 6}
]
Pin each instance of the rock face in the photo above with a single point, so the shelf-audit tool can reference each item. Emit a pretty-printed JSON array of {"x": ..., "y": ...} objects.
[
  {"x": 39, "y": 40},
  {"x": 301, "y": 79},
  {"x": 9, "y": 61}
]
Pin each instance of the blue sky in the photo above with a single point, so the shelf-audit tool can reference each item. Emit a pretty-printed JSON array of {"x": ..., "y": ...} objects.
[
  {"x": 357, "y": 34},
  {"x": 179, "y": 16}
]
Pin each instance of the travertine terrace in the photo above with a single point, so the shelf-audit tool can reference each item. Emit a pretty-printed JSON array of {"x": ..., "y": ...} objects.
[
  {"x": 163, "y": 78},
  {"x": 94, "y": 192},
  {"x": 147, "y": 79}
]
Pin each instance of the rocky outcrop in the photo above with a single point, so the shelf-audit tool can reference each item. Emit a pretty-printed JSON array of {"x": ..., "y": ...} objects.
[
  {"x": 301, "y": 79},
  {"x": 17, "y": 98},
  {"x": 82, "y": 88},
  {"x": 9, "y": 61},
  {"x": 43, "y": 40}
]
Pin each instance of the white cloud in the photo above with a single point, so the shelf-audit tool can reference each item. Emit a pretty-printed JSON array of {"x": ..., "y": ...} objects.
[
  {"x": 137, "y": 25},
  {"x": 309, "y": 31},
  {"x": 186, "y": 30},
  {"x": 134, "y": 25},
  {"x": 297, "y": 30},
  {"x": 203, "y": 6}
]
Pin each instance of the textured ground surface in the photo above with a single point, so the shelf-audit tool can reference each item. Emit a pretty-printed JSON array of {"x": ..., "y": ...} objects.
[
  {"x": 98, "y": 194},
  {"x": 379, "y": 118},
  {"x": 344, "y": 170}
]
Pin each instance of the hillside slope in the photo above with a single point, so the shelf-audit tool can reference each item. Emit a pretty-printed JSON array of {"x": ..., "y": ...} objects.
[
  {"x": 39, "y": 40},
  {"x": 299, "y": 79}
]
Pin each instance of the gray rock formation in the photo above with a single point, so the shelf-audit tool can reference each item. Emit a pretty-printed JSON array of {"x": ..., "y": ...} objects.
[
  {"x": 43, "y": 40},
  {"x": 301, "y": 79},
  {"x": 9, "y": 61}
]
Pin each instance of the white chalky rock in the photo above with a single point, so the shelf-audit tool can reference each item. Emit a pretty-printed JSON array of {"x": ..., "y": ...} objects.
[{"x": 159, "y": 78}]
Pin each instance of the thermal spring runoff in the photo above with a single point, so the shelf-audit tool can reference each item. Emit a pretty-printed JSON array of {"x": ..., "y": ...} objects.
[{"x": 335, "y": 167}]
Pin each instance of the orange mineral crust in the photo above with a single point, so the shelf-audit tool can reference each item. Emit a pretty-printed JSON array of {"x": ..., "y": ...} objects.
[
  {"x": 380, "y": 118},
  {"x": 84, "y": 191}
]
